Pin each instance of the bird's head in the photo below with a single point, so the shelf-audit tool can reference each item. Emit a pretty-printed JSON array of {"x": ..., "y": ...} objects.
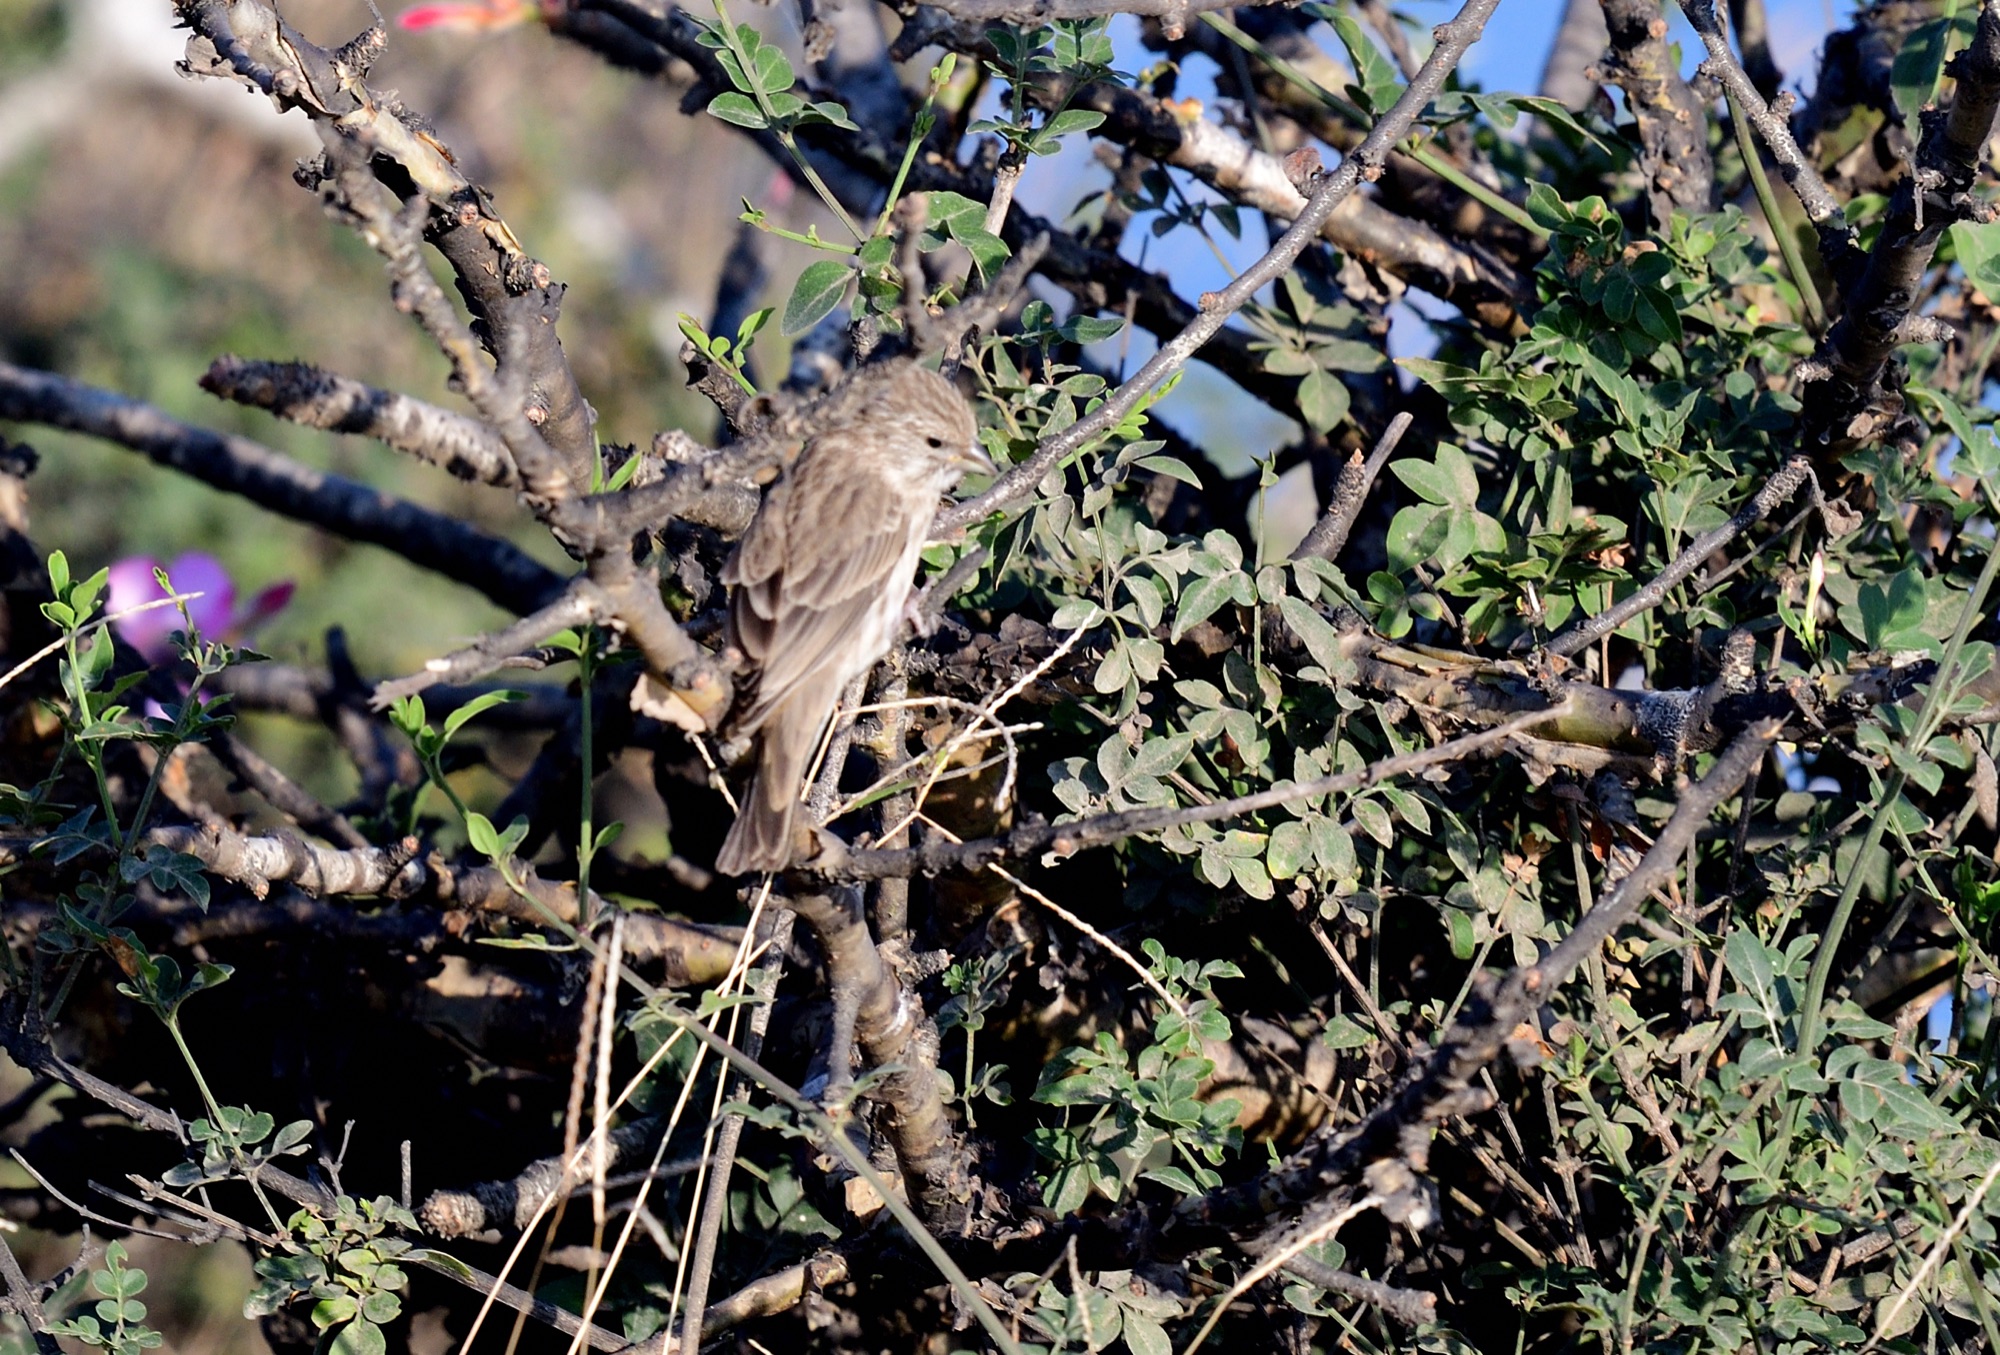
[{"x": 933, "y": 423}]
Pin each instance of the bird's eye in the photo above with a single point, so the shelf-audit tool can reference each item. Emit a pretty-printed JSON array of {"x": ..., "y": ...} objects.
[{"x": 935, "y": 441}]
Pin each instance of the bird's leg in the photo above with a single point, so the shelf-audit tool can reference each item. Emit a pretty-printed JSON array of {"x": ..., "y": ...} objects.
[{"x": 918, "y": 615}]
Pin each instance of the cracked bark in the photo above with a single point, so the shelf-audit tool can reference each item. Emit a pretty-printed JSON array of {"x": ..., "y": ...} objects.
[
  {"x": 1852, "y": 398},
  {"x": 1673, "y": 125}
]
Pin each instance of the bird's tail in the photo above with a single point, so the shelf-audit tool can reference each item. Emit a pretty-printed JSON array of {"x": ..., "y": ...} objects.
[{"x": 761, "y": 838}]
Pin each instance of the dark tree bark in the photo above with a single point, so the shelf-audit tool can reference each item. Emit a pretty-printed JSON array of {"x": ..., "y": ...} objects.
[{"x": 1673, "y": 127}]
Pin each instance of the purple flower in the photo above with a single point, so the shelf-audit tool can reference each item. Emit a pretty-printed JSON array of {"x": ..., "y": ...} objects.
[{"x": 134, "y": 583}]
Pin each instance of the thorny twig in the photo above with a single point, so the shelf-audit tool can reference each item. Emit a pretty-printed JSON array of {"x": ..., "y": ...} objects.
[{"x": 1350, "y": 492}]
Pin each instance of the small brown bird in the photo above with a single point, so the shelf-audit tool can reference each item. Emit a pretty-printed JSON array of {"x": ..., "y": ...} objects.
[{"x": 821, "y": 578}]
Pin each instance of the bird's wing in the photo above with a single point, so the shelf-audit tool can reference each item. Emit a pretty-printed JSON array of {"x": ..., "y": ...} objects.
[{"x": 822, "y": 554}]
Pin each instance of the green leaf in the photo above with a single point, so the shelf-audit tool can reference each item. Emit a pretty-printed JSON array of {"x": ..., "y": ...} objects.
[
  {"x": 773, "y": 71},
  {"x": 407, "y": 714},
  {"x": 1884, "y": 611},
  {"x": 359, "y": 1337},
  {"x": 1143, "y": 1336},
  {"x": 1344, "y": 1032},
  {"x": 1112, "y": 674},
  {"x": 1750, "y": 962},
  {"x": 947, "y": 214},
  {"x": 1288, "y": 851},
  {"x": 1323, "y": 400},
  {"x": 1348, "y": 355},
  {"x": 517, "y": 831},
  {"x": 1066, "y": 1190},
  {"x": 1223, "y": 547},
  {"x": 1157, "y": 757},
  {"x": 818, "y": 290},
  {"x": 1380, "y": 83},
  {"x": 1463, "y": 939},
  {"x": 127, "y": 1283},
  {"x": 875, "y": 255},
  {"x": 479, "y": 831},
  {"x": 1876, "y": 1091},
  {"x": 1172, "y": 467},
  {"x": 477, "y": 706},
  {"x": 1048, "y": 140},
  {"x": 1977, "y": 245},
  {"x": 331, "y": 1312},
  {"x": 1200, "y": 600},
  {"x": 1556, "y": 115},
  {"x": 1321, "y": 640},
  {"x": 731, "y": 67},
  {"x": 1431, "y": 484},
  {"x": 826, "y": 110},
  {"x": 1287, "y": 362},
  {"x": 1175, "y": 1178},
  {"x": 1333, "y": 847},
  {"x": 1089, "y": 328},
  {"x": 988, "y": 250},
  {"x": 739, "y": 109},
  {"x": 1251, "y": 876},
  {"x": 1375, "y": 821},
  {"x": 1913, "y": 78},
  {"x": 1415, "y": 534},
  {"x": 1075, "y": 614},
  {"x": 1467, "y": 531},
  {"x": 1548, "y": 209}
]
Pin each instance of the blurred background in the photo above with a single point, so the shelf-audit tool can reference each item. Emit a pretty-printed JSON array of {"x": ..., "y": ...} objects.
[{"x": 149, "y": 224}]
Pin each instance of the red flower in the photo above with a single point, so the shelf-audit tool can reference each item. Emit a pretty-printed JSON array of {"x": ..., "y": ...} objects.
[{"x": 468, "y": 16}]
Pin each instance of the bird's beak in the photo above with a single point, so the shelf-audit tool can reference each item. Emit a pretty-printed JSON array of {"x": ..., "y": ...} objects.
[{"x": 972, "y": 460}]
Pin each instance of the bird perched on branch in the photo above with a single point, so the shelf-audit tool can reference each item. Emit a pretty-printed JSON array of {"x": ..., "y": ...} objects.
[{"x": 820, "y": 580}]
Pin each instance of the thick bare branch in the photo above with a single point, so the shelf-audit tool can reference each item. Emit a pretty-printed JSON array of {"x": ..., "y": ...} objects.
[
  {"x": 1454, "y": 39},
  {"x": 887, "y": 1022},
  {"x": 317, "y": 398},
  {"x": 1350, "y": 491},
  {"x": 1581, "y": 40},
  {"x": 269, "y": 479},
  {"x": 583, "y": 603},
  {"x": 776, "y": 1292},
  {"x": 1673, "y": 124},
  {"x": 1846, "y": 404},
  {"x": 692, "y": 954},
  {"x": 1226, "y": 161},
  {"x": 1836, "y": 236},
  {"x": 26, "y": 1302},
  {"x": 1412, "y": 1307},
  {"x": 510, "y": 292},
  {"x": 673, "y": 659},
  {"x": 515, "y": 1203}
]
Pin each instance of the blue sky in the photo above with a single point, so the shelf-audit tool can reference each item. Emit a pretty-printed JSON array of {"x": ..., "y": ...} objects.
[{"x": 1510, "y": 57}]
